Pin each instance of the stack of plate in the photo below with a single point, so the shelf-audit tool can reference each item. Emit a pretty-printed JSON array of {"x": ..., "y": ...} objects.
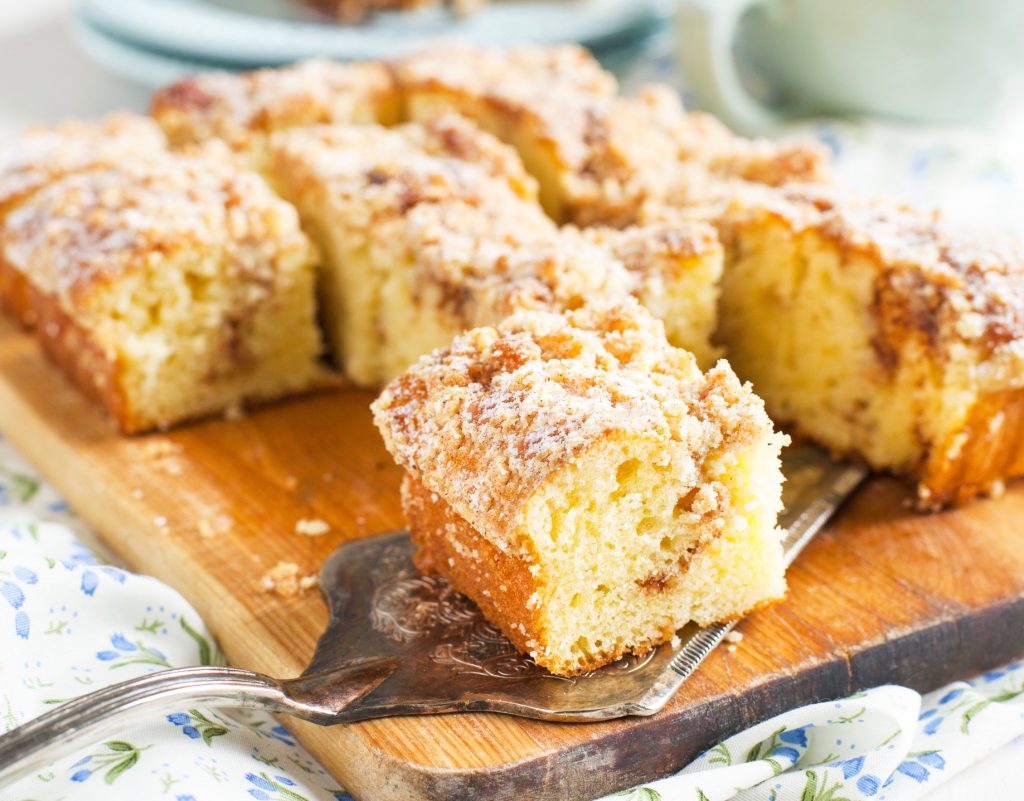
[{"x": 155, "y": 41}]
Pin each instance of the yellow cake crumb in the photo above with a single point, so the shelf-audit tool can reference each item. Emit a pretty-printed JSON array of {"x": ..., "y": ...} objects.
[{"x": 312, "y": 527}]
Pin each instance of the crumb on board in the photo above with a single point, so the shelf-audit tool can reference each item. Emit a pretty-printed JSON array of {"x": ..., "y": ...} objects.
[
  {"x": 734, "y": 636},
  {"x": 234, "y": 412},
  {"x": 675, "y": 642},
  {"x": 730, "y": 648},
  {"x": 164, "y": 454},
  {"x": 213, "y": 526},
  {"x": 283, "y": 579},
  {"x": 312, "y": 527},
  {"x": 291, "y": 483}
]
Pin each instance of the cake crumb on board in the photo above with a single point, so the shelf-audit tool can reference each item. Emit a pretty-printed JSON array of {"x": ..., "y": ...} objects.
[
  {"x": 283, "y": 579},
  {"x": 312, "y": 527}
]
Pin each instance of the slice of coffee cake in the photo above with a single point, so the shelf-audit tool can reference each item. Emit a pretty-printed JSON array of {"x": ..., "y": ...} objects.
[
  {"x": 586, "y": 484},
  {"x": 876, "y": 330},
  {"x": 168, "y": 286}
]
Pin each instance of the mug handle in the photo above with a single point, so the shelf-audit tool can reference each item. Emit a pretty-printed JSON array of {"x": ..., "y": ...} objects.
[{"x": 706, "y": 30}]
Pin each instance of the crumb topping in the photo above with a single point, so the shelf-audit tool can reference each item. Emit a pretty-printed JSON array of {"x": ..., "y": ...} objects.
[
  {"x": 486, "y": 265},
  {"x": 392, "y": 170},
  {"x": 43, "y": 154},
  {"x": 483, "y": 422},
  {"x": 552, "y": 89},
  {"x": 617, "y": 153},
  {"x": 233, "y": 106},
  {"x": 88, "y": 229}
]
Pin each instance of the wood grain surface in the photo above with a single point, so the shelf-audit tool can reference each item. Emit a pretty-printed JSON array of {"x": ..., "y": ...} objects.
[{"x": 882, "y": 595}]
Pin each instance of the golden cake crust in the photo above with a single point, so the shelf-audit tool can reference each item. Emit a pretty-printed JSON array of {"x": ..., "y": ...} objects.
[
  {"x": 237, "y": 108},
  {"x": 447, "y": 544}
]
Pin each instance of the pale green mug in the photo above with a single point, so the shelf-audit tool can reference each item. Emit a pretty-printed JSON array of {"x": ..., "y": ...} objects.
[{"x": 927, "y": 60}]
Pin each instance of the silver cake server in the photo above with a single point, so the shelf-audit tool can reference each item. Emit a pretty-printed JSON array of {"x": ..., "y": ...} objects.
[{"x": 401, "y": 643}]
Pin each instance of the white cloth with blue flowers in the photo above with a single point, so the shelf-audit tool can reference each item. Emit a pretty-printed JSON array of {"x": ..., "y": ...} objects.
[{"x": 70, "y": 624}]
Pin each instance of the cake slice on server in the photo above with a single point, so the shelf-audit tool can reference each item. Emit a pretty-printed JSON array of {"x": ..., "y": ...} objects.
[
  {"x": 42, "y": 155},
  {"x": 168, "y": 286},
  {"x": 875, "y": 329},
  {"x": 597, "y": 155},
  {"x": 586, "y": 484},
  {"x": 430, "y": 229}
]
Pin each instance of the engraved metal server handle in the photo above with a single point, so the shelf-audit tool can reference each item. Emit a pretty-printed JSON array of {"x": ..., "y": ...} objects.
[{"x": 62, "y": 731}]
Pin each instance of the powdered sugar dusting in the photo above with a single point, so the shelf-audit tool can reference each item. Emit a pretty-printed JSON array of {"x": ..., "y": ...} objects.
[{"x": 484, "y": 421}]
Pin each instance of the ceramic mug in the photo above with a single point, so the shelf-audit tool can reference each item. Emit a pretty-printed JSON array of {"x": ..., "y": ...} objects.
[{"x": 927, "y": 60}]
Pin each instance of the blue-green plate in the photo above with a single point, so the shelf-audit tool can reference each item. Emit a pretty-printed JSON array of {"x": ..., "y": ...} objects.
[{"x": 245, "y": 33}]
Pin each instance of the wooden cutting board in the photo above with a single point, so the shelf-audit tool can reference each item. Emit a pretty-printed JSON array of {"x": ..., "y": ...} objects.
[{"x": 882, "y": 595}]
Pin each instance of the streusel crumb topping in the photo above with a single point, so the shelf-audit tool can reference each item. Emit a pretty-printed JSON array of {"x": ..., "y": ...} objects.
[
  {"x": 88, "y": 229},
  {"x": 486, "y": 420},
  {"x": 234, "y": 107},
  {"x": 43, "y": 154},
  {"x": 399, "y": 167}
]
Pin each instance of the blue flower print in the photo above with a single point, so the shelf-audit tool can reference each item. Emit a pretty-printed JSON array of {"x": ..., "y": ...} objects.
[
  {"x": 121, "y": 643},
  {"x": 15, "y": 596},
  {"x": 851, "y": 767},
  {"x": 266, "y": 788},
  {"x": 915, "y": 771},
  {"x": 116, "y": 757},
  {"x": 786, "y": 752},
  {"x": 12, "y": 594},
  {"x": 131, "y": 653},
  {"x": 868, "y": 784},
  {"x": 795, "y": 736},
  {"x": 89, "y": 582},
  {"x": 195, "y": 725},
  {"x": 916, "y": 765},
  {"x": 933, "y": 725}
]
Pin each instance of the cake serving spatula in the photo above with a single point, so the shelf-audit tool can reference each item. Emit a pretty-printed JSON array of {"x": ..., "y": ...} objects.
[{"x": 402, "y": 643}]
